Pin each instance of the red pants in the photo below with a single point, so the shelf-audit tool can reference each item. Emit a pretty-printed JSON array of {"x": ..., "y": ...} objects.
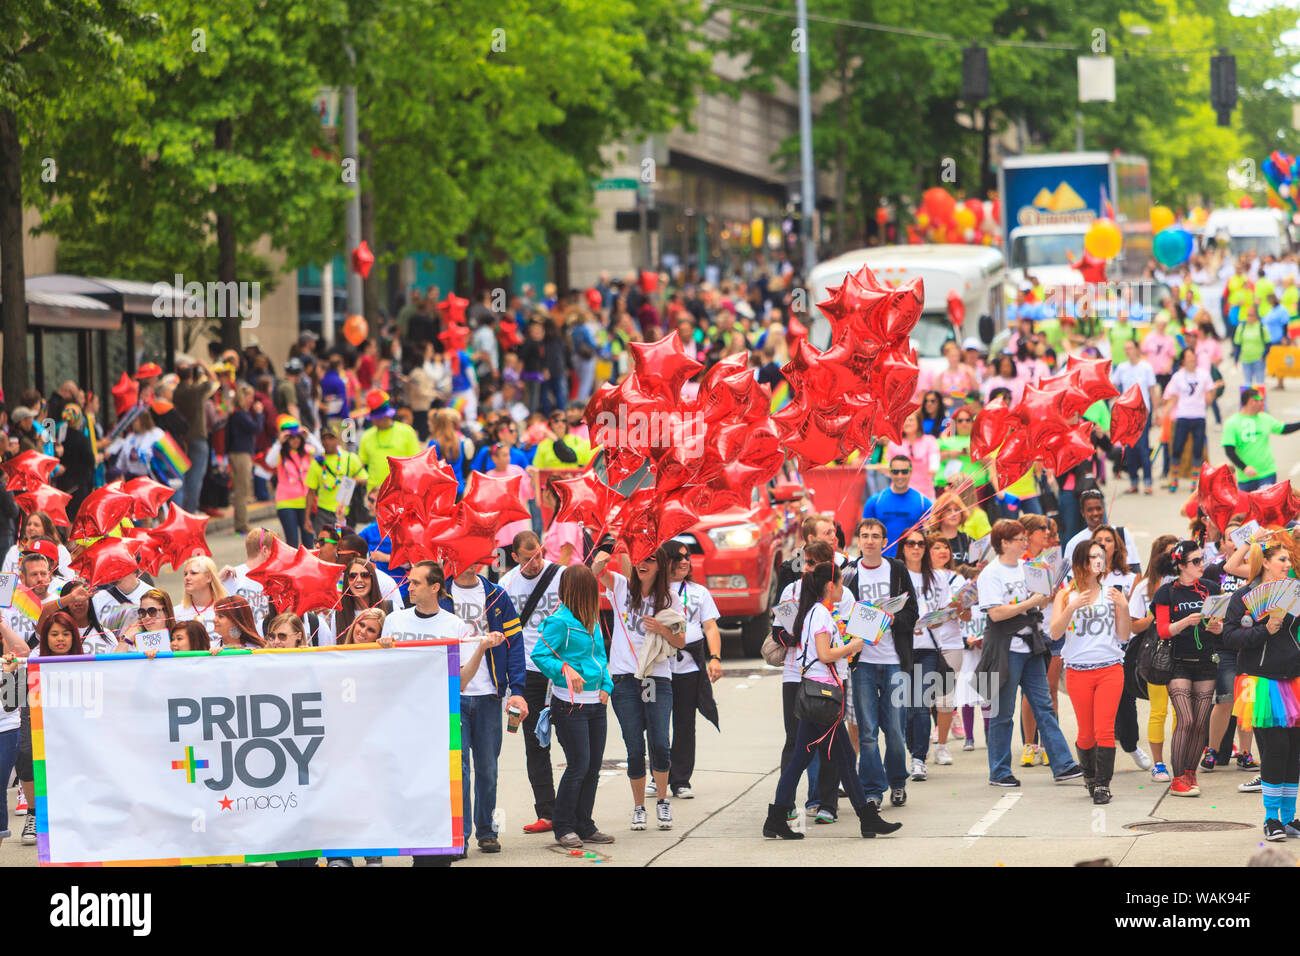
[{"x": 1095, "y": 697}]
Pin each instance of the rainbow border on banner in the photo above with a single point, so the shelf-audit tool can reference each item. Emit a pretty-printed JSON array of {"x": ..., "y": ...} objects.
[{"x": 453, "y": 737}]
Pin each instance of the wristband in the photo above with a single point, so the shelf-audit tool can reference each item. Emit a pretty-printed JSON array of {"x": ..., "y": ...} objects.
[{"x": 715, "y": 657}]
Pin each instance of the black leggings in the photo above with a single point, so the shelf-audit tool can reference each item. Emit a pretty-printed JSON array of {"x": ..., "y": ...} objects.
[
  {"x": 1279, "y": 754},
  {"x": 835, "y": 751},
  {"x": 828, "y": 778},
  {"x": 1192, "y": 702}
]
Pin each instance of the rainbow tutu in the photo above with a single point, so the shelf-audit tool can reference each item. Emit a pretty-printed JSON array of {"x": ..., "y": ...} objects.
[{"x": 1263, "y": 702}]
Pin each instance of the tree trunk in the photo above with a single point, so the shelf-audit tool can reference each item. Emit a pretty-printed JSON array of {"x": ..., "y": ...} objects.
[
  {"x": 987, "y": 183},
  {"x": 370, "y": 287},
  {"x": 227, "y": 259},
  {"x": 13, "y": 285}
]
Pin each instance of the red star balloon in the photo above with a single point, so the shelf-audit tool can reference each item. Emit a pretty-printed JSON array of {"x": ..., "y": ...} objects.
[
  {"x": 149, "y": 497},
  {"x": 1065, "y": 451},
  {"x": 315, "y": 584},
  {"x": 1091, "y": 268},
  {"x": 274, "y": 573},
  {"x": 584, "y": 498},
  {"x": 1218, "y": 495},
  {"x": 1094, "y": 378},
  {"x": 650, "y": 521},
  {"x": 28, "y": 470},
  {"x": 151, "y": 558},
  {"x": 102, "y": 511},
  {"x": 47, "y": 499},
  {"x": 663, "y": 367},
  {"x": 454, "y": 337},
  {"x": 453, "y": 309},
  {"x": 363, "y": 259},
  {"x": 471, "y": 541},
  {"x": 181, "y": 535},
  {"x": 991, "y": 428},
  {"x": 421, "y": 483},
  {"x": 484, "y": 494},
  {"x": 108, "y": 560},
  {"x": 1128, "y": 417},
  {"x": 1274, "y": 506}
]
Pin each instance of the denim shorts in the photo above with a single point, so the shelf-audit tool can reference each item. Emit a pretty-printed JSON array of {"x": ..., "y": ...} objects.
[
  {"x": 640, "y": 719},
  {"x": 1227, "y": 676},
  {"x": 1055, "y": 646}
]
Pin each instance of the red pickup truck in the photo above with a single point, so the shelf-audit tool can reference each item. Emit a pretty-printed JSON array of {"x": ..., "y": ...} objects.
[{"x": 736, "y": 554}]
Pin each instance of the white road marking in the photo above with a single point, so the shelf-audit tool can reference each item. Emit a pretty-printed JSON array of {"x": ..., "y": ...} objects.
[
  {"x": 742, "y": 687},
  {"x": 982, "y": 825},
  {"x": 1295, "y": 470}
]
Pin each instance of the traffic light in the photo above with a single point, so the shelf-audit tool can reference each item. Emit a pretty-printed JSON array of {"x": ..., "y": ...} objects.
[
  {"x": 1223, "y": 86},
  {"x": 974, "y": 74}
]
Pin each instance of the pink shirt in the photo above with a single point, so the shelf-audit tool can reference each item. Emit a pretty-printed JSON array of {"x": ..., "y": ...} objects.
[
  {"x": 1189, "y": 391},
  {"x": 1016, "y": 385},
  {"x": 1208, "y": 352},
  {"x": 558, "y": 535},
  {"x": 1160, "y": 351},
  {"x": 924, "y": 456}
]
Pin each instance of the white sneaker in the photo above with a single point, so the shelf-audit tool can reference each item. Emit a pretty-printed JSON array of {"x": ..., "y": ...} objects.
[
  {"x": 918, "y": 769},
  {"x": 934, "y": 736},
  {"x": 29, "y": 830},
  {"x": 941, "y": 755},
  {"x": 684, "y": 793},
  {"x": 1141, "y": 758},
  {"x": 664, "y": 812},
  {"x": 638, "y": 818},
  {"x": 651, "y": 787}
]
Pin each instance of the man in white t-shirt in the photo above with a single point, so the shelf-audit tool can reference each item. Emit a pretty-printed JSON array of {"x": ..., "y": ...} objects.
[
  {"x": 534, "y": 575},
  {"x": 259, "y": 544},
  {"x": 1124, "y": 375},
  {"x": 34, "y": 575},
  {"x": 1092, "y": 505},
  {"x": 881, "y": 675},
  {"x": 487, "y": 609}
]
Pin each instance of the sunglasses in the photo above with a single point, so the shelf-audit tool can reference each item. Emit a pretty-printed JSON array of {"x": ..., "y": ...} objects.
[
  {"x": 900, "y": 471},
  {"x": 960, "y": 419},
  {"x": 1196, "y": 562},
  {"x": 150, "y": 611},
  {"x": 914, "y": 544},
  {"x": 359, "y": 576},
  {"x": 680, "y": 557}
]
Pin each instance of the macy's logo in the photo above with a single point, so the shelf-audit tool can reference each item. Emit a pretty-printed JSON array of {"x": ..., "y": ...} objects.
[{"x": 261, "y": 801}]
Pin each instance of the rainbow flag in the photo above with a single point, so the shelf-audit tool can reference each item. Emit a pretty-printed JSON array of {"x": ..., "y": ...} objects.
[
  {"x": 169, "y": 457},
  {"x": 460, "y": 403},
  {"x": 25, "y": 601},
  {"x": 780, "y": 396}
]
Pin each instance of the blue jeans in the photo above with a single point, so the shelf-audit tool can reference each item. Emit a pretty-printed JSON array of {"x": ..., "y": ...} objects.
[
  {"x": 580, "y": 729},
  {"x": 639, "y": 719},
  {"x": 8, "y": 755},
  {"x": 1139, "y": 457},
  {"x": 295, "y": 525},
  {"x": 1254, "y": 484},
  {"x": 261, "y": 488},
  {"x": 1253, "y": 372},
  {"x": 925, "y": 675},
  {"x": 879, "y": 698},
  {"x": 1029, "y": 674},
  {"x": 834, "y": 748},
  {"x": 555, "y": 393},
  {"x": 193, "y": 481},
  {"x": 480, "y": 735},
  {"x": 1071, "y": 522},
  {"x": 1185, "y": 428}
]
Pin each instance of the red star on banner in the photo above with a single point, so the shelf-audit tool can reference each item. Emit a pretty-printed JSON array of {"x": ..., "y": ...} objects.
[{"x": 226, "y": 803}]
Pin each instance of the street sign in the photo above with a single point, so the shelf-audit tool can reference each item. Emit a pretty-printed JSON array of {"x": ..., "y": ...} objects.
[
  {"x": 603, "y": 184},
  {"x": 326, "y": 105}
]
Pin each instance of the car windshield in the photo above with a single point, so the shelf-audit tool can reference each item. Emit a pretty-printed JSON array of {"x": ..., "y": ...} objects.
[
  {"x": 1260, "y": 245},
  {"x": 932, "y": 330},
  {"x": 1045, "y": 250}
]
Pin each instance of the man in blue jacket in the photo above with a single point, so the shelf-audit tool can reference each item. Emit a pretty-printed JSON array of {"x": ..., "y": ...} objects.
[
  {"x": 487, "y": 608},
  {"x": 899, "y": 506}
]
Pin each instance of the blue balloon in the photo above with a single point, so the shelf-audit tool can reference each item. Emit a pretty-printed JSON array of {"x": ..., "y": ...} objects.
[{"x": 1173, "y": 246}]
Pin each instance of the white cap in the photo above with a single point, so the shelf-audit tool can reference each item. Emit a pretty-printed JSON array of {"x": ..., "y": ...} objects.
[{"x": 973, "y": 344}]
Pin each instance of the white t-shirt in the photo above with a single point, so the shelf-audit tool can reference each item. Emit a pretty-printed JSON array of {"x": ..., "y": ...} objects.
[
  {"x": 471, "y": 607},
  {"x": 408, "y": 624},
  {"x": 998, "y": 585},
  {"x": 1130, "y": 546},
  {"x": 206, "y": 619},
  {"x": 1091, "y": 639},
  {"x": 1190, "y": 390},
  {"x": 629, "y": 629},
  {"x": 946, "y": 636},
  {"x": 241, "y": 585},
  {"x": 103, "y": 600},
  {"x": 700, "y": 607},
  {"x": 13, "y": 562},
  {"x": 790, "y": 673},
  {"x": 1124, "y": 375},
  {"x": 873, "y": 586},
  {"x": 1122, "y": 581},
  {"x": 520, "y": 588},
  {"x": 817, "y": 620},
  {"x": 97, "y": 641}
]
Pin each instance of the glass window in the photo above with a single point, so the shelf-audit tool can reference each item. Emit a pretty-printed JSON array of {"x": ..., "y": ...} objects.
[
  {"x": 60, "y": 356},
  {"x": 150, "y": 343}
]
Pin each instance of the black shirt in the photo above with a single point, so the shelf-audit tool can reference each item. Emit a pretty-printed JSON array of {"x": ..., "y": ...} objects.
[{"x": 1173, "y": 602}]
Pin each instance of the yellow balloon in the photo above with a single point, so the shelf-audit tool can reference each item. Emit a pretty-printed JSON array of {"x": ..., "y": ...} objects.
[
  {"x": 1162, "y": 217},
  {"x": 923, "y": 219},
  {"x": 963, "y": 218},
  {"x": 1103, "y": 239}
]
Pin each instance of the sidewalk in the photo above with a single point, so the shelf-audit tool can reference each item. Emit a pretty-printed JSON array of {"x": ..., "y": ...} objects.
[{"x": 259, "y": 513}]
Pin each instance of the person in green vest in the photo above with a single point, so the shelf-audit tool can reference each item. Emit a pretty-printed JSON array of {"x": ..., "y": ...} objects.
[
  {"x": 1247, "y": 441},
  {"x": 384, "y": 438},
  {"x": 1234, "y": 290},
  {"x": 1122, "y": 331},
  {"x": 1290, "y": 297},
  {"x": 324, "y": 476},
  {"x": 1251, "y": 341}
]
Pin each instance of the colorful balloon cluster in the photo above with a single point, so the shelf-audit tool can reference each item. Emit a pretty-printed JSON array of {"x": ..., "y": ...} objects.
[
  {"x": 1280, "y": 171},
  {"x": 861, "y": 387},
  {"x": 177, "y": 538},
  {"x": 1038, "y": 428},
  {"x": 942, "y": 219},
  {"x": 1220, "y": 498},
  {"x": 416, "y": 508},
  {"x": 700, "y": 456}
]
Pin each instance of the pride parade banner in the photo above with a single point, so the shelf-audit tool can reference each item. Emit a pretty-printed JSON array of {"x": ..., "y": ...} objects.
[{"x": 248, "y": 756}]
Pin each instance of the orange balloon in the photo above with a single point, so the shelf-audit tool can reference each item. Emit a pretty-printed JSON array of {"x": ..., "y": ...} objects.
[{"x": 356, "y": 329}]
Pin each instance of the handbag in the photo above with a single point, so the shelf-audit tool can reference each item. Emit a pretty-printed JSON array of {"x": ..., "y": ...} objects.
[
  {"x": 1156, "y": 659},
  {"x": 773, "y": 651},
  {"x": 818, "y": 703}
]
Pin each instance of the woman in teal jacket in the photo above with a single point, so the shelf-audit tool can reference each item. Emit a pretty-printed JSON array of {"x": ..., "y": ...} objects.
[{"x": 571, "y": 654}]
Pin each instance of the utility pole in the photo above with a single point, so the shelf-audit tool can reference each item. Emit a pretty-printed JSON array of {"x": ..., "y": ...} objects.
[
  {"x": 646, "y": 200},
  {"x": 356, "y": 296},
  {"x": 809, "y": 202}
]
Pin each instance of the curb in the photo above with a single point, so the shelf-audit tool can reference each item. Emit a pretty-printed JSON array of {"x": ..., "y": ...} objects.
[{"x": 260, "y": 513}]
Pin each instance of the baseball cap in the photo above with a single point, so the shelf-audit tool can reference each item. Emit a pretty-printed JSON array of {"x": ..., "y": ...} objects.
[
  {"x": 287, "y": 423},
  {"x": 21, "y": 413},
  {"x": 148, "y": 370},
  {"x": 973, "y": 344},
  {"x": 293, "y": 365},
  {"x": 46, "y": 549},
  {"x": 378, "y": 402}
]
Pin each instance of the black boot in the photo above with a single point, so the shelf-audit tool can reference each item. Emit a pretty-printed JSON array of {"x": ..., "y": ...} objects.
[
  {"x": 1105, "y": 760},
  {"x": 776, "y": 824},
  {"x": 872, "y": 823},
  {"x": 1088, "y": 764}
]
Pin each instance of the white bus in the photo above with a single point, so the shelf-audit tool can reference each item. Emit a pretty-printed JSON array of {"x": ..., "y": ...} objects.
[{"x": 975, "y": 272}]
